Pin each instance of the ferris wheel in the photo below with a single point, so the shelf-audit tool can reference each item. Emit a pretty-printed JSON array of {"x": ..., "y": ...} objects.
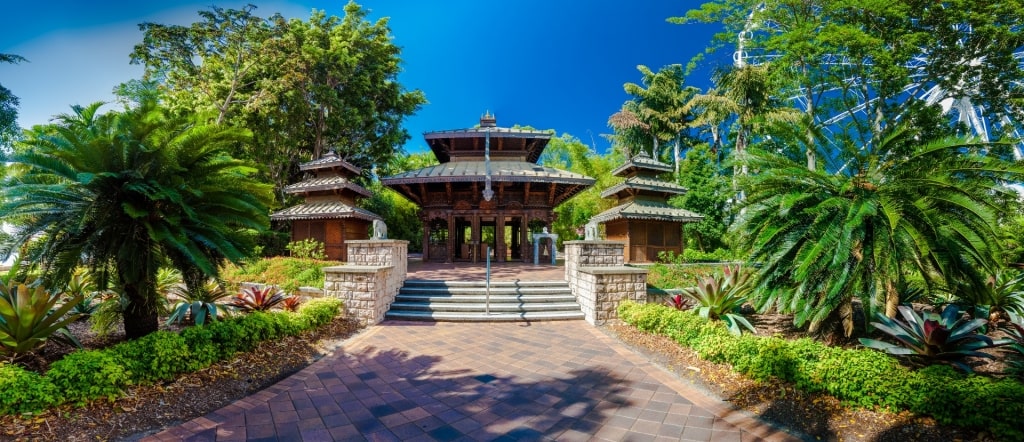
[{"x": 955, "y": 101}]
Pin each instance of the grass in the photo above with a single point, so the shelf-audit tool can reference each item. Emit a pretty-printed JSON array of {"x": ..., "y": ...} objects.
[{"x": 285, "y": 272}]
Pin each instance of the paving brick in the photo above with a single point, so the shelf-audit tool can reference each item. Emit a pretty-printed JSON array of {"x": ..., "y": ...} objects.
[{"x": 455, "y": 381}]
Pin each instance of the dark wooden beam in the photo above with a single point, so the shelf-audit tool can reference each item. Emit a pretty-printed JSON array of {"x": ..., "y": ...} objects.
[
  {"x": 448, "y": 191},
  {"x": 526, "y": 193},
  {"x": 551, "y": 194},
  {"x": 418, "y": 199}
]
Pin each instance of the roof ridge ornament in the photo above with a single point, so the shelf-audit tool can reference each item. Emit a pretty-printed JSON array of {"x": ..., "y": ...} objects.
[{"x": 488, "y": 120}]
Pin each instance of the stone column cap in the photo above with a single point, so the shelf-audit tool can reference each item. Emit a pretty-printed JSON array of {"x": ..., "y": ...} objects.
[
  {"x": 354, "y": 268},
  {"x": 613, "y": 270},
  {"x": 371, "y": 242}
]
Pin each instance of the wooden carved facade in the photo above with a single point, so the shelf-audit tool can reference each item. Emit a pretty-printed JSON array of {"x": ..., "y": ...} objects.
[{"x": 459, "y": 223}]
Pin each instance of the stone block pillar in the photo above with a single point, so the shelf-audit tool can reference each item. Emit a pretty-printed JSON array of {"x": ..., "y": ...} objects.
[
  {"x": 368, "y": 283},
  {"x": 600, "y": 280}
]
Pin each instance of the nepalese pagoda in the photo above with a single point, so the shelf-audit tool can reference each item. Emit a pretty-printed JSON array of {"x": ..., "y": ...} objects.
[
  {"x": 458, "y": 221},
  {"x": 643, "y": 219},
  {"x": 329, "y": 213}
]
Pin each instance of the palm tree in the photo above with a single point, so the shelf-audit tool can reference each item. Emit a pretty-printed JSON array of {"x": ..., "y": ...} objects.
[
  {"x": 661, "y": 102},
  {"x": 897, "y": 208},
  {"x": 128, "y": 191},
  {"x": 747, "y": 93}
]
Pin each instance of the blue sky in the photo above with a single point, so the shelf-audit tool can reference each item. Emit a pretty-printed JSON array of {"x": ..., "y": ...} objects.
[{"x": 550, "y": 64}]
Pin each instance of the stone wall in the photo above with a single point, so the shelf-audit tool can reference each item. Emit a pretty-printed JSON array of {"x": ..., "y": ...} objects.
[
  {"x": 599, "y": 279},
  {"x": 368, "y": 283}
]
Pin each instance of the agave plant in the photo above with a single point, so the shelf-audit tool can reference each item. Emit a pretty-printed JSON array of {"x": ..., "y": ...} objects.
[
  {"x": 258, "y": 299},
  {"x": 1015, "y": 330},
  {"x": 30, "y": 316},
  {"x": 208, "y": 301},
  {"x": 720, "y": 297},
  {"x": 947, "y": 337}
]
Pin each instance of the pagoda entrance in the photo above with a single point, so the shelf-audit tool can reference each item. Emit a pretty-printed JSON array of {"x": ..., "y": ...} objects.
[{"x": 486, "y": 193}]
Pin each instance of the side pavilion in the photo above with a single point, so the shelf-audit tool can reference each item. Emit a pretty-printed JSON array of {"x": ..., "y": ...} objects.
[{"x": 458, "y": 221}]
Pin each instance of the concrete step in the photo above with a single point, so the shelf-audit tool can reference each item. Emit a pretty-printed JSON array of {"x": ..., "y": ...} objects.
[
  {"x": 481, "y": 317},
  {"x": 426, "y": 300},
  {"x": 480, "y": 307},
  {"x": 480, "y": 298}
]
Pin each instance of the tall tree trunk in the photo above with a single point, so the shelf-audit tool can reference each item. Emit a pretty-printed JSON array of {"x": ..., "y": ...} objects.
[
  {"x": 892, "y": 299},
  {"x": 140, "y": 316},
  {"x": 675, "y": 154}
]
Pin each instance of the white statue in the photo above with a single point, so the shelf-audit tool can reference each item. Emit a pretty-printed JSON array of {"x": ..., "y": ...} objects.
[
  {"x": 544, "y": 230},
  {"x": 590, "y": 231},
  {"x": 380, "y": 230}
]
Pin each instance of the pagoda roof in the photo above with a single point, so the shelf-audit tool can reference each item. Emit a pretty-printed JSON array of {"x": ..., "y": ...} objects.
[
  {"x": 524, "y": 144},
  {"x": 641, "y": 161},
  {"x": 647, "y": 210},
  {"x": 469, "y": 171},
  {"x": 330, "y": 160},
  {"x": 323, "y": 210},
  {"x": 322, "y": 184},
  {"x": 645, "y": 185}
]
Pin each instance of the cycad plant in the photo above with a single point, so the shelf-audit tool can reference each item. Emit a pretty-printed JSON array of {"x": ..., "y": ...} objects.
[
  {"x": 720, "y": 297},
  {"x": 903, "y": 205},
  {"x": 128, "y": 191}
]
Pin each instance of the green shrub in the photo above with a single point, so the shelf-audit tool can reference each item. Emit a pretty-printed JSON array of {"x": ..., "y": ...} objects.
[
  {"x": 860, "y": 377},
  {"x": 156, "y": 356},
  {"x": 23, "y": 390},
  {"x": 307, "y": 248},
  {"x": 86, "y": 375}
]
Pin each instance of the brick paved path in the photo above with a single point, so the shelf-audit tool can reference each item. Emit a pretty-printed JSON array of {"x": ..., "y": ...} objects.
[{"x": 473, "y": 381}]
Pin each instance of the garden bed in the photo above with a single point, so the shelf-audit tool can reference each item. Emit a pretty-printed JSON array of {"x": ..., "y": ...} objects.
[{"x": 146, "y": 409}]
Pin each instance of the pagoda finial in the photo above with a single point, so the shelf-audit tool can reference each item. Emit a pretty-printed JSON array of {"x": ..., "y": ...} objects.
[{"x": 488, "y": 120}]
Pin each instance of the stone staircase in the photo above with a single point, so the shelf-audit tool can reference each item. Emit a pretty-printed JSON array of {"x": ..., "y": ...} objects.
[{"x": 426, "y": 300}]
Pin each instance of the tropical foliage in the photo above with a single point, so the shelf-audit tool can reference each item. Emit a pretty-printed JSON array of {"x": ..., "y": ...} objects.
[
  {"x": 722, "y": 295},
  {"x": 127, "y": 191},
  {"x": 210, "y": 302},
  {"x": 261, "y": 299},
  {"x": 29, "y": 316},
  {"x": 908, "y": 204},
  {"x": 947, "y": 336}
]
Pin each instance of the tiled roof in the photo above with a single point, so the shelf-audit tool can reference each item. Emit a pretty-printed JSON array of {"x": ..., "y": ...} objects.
[
  {"x": 508, "y": 171},
  {"x": 647, "y": 210},
  {"x": 642, "y": 161},
  {"x": 329, "y": 160},
  {"x": 323, "y": 210},
  {"x": 647, "y": 184},
  {"x": 326, "y": 183}
]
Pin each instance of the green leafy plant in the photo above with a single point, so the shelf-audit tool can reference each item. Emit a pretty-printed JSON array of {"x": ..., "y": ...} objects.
[
  {"x": 948, "y": 337},
  {"x": 679, "y": 302},
  {"x": 208, "y": 301},
  {"x": 258, "y": 299},
  {"x": 108, "y": 312},
  {"x": 720, "y": 297},
  {"x": 308, "y": 248},
  {"x": 30, "y": 316},
  {"x": 1001, "y": 294}
]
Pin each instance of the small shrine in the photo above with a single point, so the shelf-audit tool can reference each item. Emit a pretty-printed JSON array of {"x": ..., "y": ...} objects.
[
  {"x": 643, "y": 219},
  {"x": 329, "y": 213}
]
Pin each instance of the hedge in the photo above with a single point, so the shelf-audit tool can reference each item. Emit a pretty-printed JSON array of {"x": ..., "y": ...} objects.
[
  {"x": 88, "y": 375},
  {"x": 859, "y": 377}
]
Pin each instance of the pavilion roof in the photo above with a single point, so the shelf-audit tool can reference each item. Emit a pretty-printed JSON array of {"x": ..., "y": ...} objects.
[
  {"x": 470, "y": 171},
  {"x": 645, "y": 185},
  {"x": 641, "y": 161},
  {"x": 322, "y": 184},
  {"x": 647, "y": 210},
  {"x": 514, "y": 143},
  {"x": 330, "y": 160},
  {"x": 323, "y": 210}
]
